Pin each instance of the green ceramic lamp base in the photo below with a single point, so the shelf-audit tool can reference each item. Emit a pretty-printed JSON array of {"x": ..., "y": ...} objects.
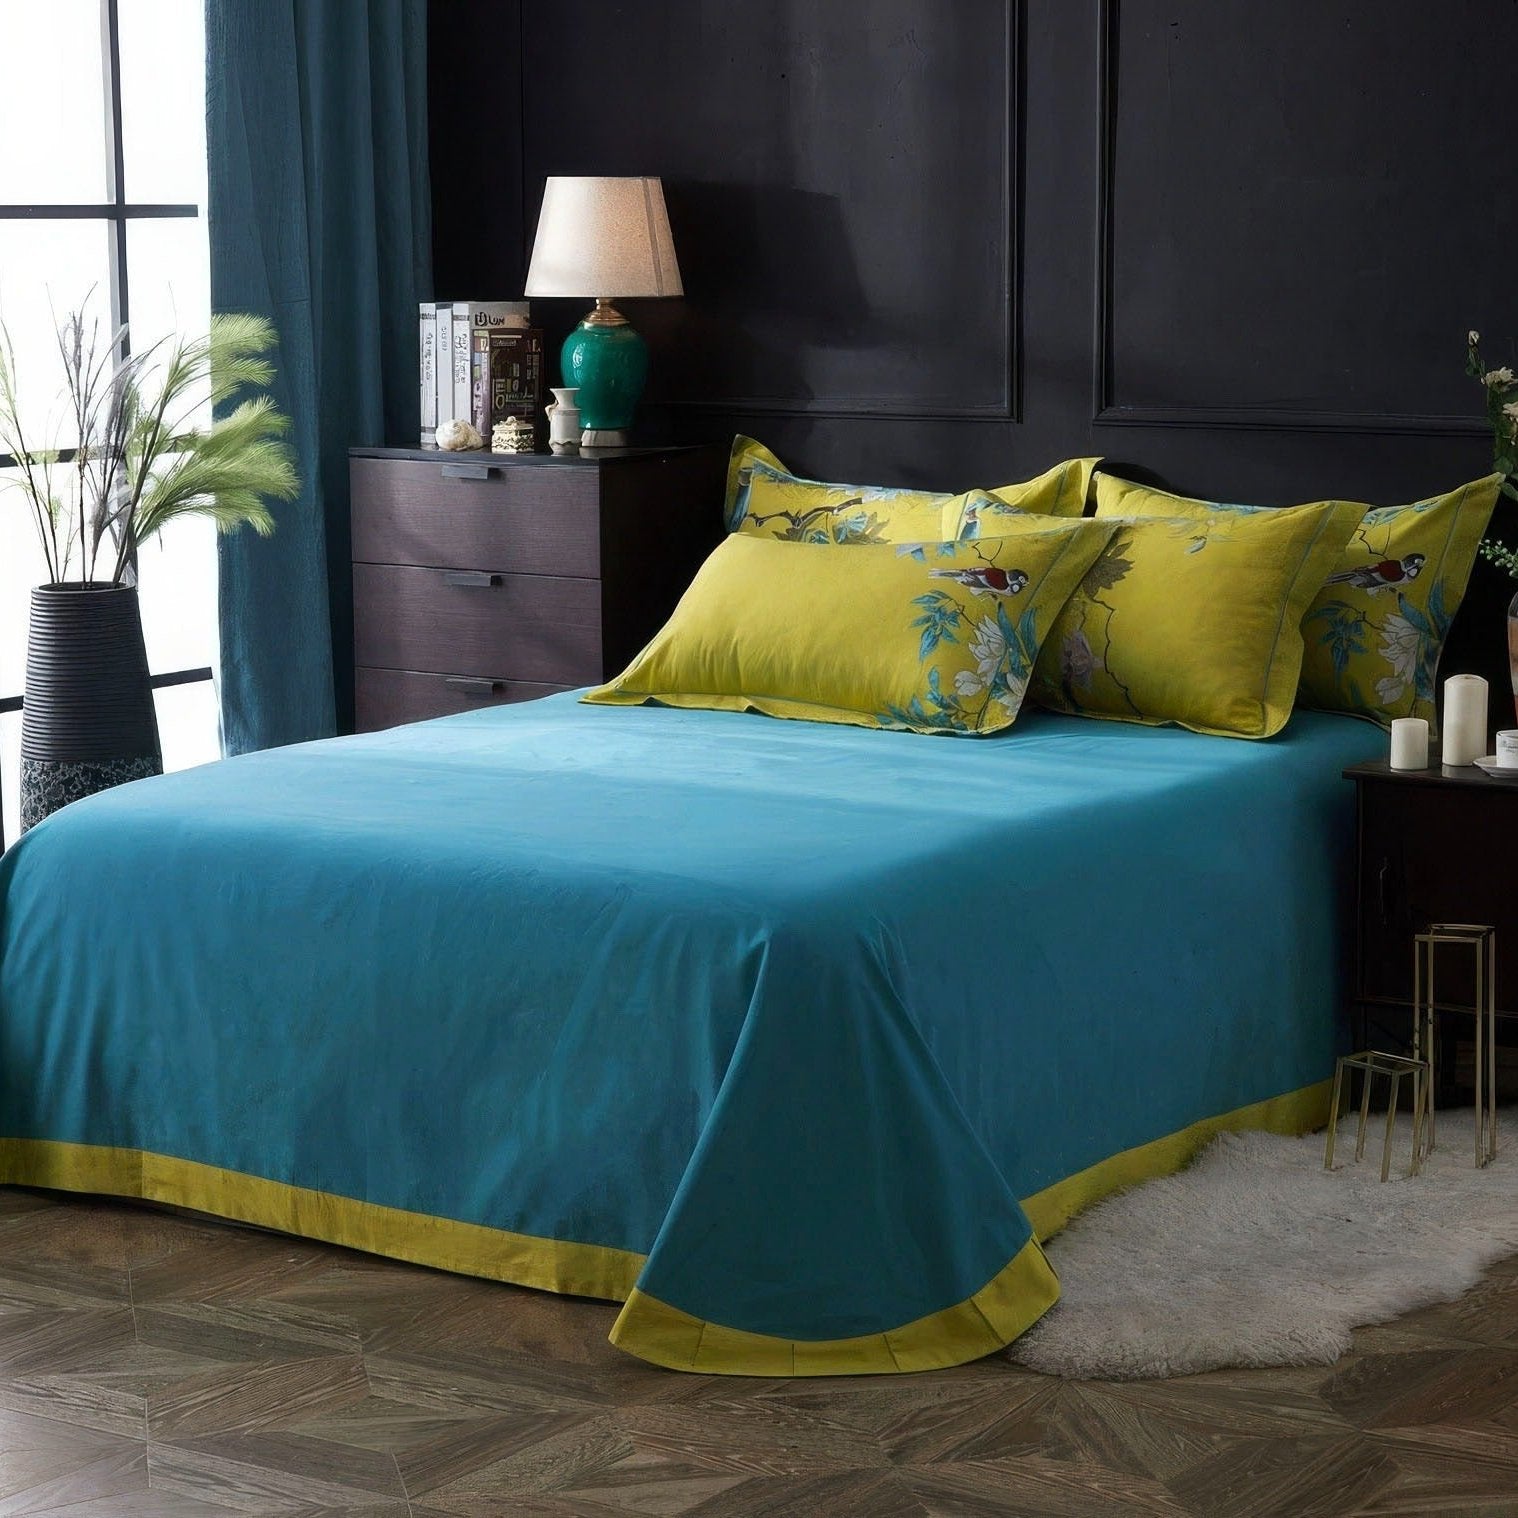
[{"x": 608, "y": 361}]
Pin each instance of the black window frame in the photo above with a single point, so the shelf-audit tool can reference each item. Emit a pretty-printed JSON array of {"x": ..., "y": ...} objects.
[{"x": 117, "y": 212}]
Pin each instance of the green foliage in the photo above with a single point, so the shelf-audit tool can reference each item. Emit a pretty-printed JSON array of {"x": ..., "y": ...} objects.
[
  {"x": 859, "y": 527},
  {"x": 1500, "y": 389},
  {"x": 139, "y": 462},
  {"x": 1432, "y": 629},
  {"x": 1021, "y": 639},
  {"x": 940, "y": 616},
  {"x": 1498, "y": 553},
  {"x": 1343, "y": 632},
  {"x": 1109, "y": 568}
]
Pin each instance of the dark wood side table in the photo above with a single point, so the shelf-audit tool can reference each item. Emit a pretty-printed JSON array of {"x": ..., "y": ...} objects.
[
  {"x": 482, "y": 578},
  {"x": 1435, "y": 845}
]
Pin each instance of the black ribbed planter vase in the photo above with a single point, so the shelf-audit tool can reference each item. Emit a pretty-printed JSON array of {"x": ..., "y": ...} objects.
[{"x": 88, "y": 720}]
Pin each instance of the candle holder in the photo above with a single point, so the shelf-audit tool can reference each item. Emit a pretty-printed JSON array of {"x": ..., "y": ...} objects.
[
  {"x": 1482, "y": 941},
  {"x": 1371, "y": 1063}
]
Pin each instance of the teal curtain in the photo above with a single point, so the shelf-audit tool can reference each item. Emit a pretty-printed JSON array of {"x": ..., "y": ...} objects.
[{"x": 320, "y": 218}]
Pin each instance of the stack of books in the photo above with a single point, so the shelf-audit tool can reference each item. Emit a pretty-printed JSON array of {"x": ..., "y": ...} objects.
[{"x": 481, "y": 361}]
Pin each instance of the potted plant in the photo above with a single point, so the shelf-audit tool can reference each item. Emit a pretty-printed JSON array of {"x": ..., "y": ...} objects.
[
  {"x": 137, "y": 462},
  {"x": 1501, "y": 387}
]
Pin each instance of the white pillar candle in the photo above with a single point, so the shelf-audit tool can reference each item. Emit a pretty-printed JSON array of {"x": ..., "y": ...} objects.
[
  {"x": 1409, "y": 743},
  {"x": 1464, "y": 719}
]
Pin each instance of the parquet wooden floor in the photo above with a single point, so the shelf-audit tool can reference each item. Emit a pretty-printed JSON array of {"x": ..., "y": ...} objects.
[{"x": 154, "y": 1365}]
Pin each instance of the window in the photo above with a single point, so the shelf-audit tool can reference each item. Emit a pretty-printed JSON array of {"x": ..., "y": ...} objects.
[{"x": 103, "y": 188}]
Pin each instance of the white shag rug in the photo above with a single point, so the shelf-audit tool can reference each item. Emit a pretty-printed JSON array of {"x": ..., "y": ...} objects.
[{"x": 1255, "y": 1255}]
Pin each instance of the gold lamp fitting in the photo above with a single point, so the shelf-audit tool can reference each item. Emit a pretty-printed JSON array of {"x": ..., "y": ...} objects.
[{"x": 604, "y": 315}]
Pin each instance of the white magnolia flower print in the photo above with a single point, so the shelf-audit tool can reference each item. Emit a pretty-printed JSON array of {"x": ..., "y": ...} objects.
[
  {"x": 1400, "y": 647},
  {"x": 1010, "y": 697},
  {"x": 988, "y": 648},
  {"x": 1510, "y": 411},
  {"x": 1498, "y": 379},
  {"x": 1472, "y": 337}
]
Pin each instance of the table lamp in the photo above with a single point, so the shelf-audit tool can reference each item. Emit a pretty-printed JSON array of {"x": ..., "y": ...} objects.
[{"x": 604, "y": 238}]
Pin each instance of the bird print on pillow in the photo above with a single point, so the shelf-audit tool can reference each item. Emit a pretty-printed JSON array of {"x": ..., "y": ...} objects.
[
  {"x": 985, "y": 579},
  {"x": 1386, "y": 575}
]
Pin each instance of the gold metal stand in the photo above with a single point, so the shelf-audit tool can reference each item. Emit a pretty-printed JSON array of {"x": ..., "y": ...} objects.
[
  {"x": 1482, "y": 941},
  {"x": 1373, "y": 1063}
]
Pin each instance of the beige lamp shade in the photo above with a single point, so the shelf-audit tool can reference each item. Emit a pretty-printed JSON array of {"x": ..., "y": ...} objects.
[{"x": 601, "y": 237}]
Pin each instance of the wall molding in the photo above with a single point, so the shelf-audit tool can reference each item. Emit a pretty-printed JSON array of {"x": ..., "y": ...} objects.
[
  {"x": 1010, "y": 407},
  {"x": 1286, "y": 419},
  {"x": 1107, "y": 411}
]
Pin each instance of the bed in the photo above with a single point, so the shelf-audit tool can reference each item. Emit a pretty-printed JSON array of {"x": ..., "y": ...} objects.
[{"x": 794, "y": 1038}]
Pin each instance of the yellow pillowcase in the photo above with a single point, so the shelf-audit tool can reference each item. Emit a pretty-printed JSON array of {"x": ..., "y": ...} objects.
[
  {"x": 1057, "y": 492},
  {"x": 745, "y": 451},
  {"x": 765, "y": 499},
  {"x": 1375, "y": 630},
  {"x": 932, "y": 637},
  {"x": 1192, "y": 621},
  {"x": 774, "y": 504}
]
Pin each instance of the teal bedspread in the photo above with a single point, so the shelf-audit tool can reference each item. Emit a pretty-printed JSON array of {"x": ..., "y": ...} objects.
[{"x": 773, "y": 1022}]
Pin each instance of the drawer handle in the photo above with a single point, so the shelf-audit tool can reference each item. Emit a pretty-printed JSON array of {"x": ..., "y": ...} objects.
[
  {"x": 467, "y": 687},
  {"x": 469, "y": 471},
  {"x": 471, "y": 579}
]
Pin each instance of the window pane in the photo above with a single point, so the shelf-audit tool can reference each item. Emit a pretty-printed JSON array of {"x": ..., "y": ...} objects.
[
  {"x": 21, "y": 567},
  {"x": 163, "y": 130},
  {"x": 187, "y": 725},
  {"x": 176, "y": 577},
  {"x": 168, "y": 280},
  {"x": 10, "y": 773},
  {"x": 47, "y": 269},
  {"x": 52, "y": 103}
]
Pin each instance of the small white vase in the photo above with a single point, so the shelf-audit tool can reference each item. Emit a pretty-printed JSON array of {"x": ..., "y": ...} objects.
[{"x": 564, "y": 420}]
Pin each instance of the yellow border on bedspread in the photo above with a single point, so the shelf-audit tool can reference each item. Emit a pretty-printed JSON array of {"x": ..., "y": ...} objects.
[
  {"x": 1015, "y": 1298},
  {"x": 1297, "y": 1111},
  {"x": 582, "y": 1270},
  {"x": 1011, "y": 1302}
]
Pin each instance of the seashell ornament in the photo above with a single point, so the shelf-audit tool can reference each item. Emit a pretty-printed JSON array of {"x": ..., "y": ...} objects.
[{"x": 458, "y": 436}]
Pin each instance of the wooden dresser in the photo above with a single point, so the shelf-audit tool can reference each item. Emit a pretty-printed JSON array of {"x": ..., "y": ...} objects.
[{"x": 482, "y": 578}]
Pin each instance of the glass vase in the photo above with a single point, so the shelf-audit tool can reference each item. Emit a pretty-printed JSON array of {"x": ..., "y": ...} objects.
[{"x": 1512, "y": 648}]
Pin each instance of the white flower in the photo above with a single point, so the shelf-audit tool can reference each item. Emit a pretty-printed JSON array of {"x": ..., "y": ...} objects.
[
  {"x": 1498, "y": 379},
  {"x": 1472, "y": 337},
  {"x": 1011, "y": 699},
  {"x": 1510, "y": 411},
  {"x": 988, "y": 647},
  {"x": 1401, "y": 644}
]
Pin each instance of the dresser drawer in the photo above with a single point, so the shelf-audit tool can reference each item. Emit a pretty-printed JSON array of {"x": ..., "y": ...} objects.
[
  {"x": 541, "y": 628},
  {"x": 528, "y": 520},
  {"x": 389, "y": 697}
]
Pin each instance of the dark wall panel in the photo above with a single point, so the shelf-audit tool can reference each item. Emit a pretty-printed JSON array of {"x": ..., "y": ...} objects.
[
  {"x": 808, "y": 161},
  {"x": 1230, "y": 245},
  {"x": 1300, "y": 207},
  {"x": 474, "y": 82}
]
